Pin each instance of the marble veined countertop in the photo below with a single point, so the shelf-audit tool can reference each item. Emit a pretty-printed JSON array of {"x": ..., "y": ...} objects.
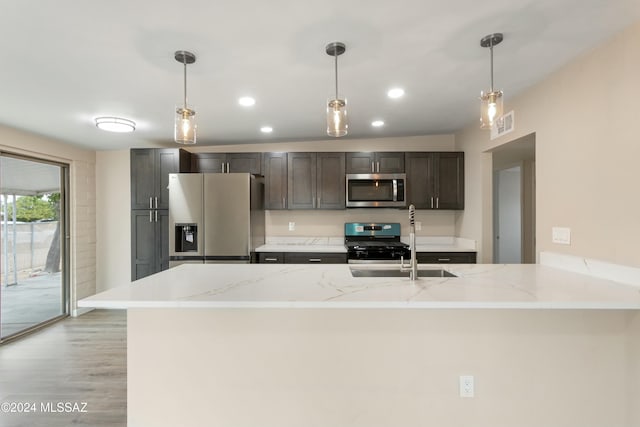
[
  {"x": 336, "y": 244},
  {"x": 332, "y": 286}
]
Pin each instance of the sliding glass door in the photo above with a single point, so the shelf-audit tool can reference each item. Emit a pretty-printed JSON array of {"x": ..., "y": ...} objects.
[{"x": 34, "y": 255}]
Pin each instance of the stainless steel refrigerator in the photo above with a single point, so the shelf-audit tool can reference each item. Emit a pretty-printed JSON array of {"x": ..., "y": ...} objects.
[{"x": 215, "y": 217}]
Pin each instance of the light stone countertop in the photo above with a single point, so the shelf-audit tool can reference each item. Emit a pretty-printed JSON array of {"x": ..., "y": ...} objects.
[
  {"x": 294, "y": 247},
  {"x": 332, "y": 286},
  {"x": 336, "y": 244}
]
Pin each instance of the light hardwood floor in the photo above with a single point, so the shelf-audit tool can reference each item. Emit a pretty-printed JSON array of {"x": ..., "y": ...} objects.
[{"x": 75, "y": 361}]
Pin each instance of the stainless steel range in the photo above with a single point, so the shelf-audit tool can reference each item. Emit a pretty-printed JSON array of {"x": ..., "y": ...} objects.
[{"x": 374, "y": 243}]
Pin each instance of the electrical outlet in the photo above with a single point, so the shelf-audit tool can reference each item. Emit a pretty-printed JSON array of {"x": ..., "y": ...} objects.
[
  {"x": 418, "y": 225},
  {"x": 466, "y": 386},
  {"x": 292, "y": 226}
]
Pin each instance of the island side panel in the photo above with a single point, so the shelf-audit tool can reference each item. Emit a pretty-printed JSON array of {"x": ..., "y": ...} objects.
[
  {"x": 376, "y": 367},
  {"x": 633, "y": 338}
]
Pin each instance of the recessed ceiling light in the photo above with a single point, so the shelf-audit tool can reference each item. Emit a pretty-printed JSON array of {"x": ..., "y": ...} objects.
[
  {"x": 115, "y": 124},
  {"x": 266, "y": 129},
  {"x": 395, "y": 93},
  {"x": 377, "y": 123},
  {"x": 246, "y": 101}
]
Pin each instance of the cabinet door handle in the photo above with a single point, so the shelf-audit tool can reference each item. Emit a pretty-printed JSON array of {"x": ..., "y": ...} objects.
[
  {"x": 150, "y": 202},
  {"x": 156, "y": 215},
  {"x": 444, "y": 259},
  {"x": 271, "y": 259},
  {"x": 378, "y": 167},
  {"x": 432, "y": 203},
  {"x": 437, "y": 202},
  {"x": 315, "y": 259},
  {"x": 372, "y": 167},
  {"x": 156, "y": 201},
  {"x": 284, "y": 206},
  {"x": 150, "y": 216},
  {"x": 222, "y": 165},
  {"x": 228, "y": 171}
]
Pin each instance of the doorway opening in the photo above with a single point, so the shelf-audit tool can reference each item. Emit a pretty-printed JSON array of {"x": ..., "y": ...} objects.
[
  {"x": 34, "y": 253},
  {"x": 514, "y": 202}
]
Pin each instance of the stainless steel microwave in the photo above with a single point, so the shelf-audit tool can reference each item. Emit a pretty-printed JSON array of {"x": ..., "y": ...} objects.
[{"x": 378, "y": 190}]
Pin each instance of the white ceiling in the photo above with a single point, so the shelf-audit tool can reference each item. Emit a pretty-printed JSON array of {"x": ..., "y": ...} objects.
[{"x": 66, "y": 62}]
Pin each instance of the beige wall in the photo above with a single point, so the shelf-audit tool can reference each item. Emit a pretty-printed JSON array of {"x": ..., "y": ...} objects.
[
  {"x": 83, "y": 202},
  {"x": 113, "y": 219},
  {"x": 587, "y": 149},
  {"x": 330, "y": 223},
  {"x": 411, "y": 143}
]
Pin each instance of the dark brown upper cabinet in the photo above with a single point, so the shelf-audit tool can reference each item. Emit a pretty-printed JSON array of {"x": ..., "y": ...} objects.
[
  {"x": 381, "y": 162},
  {"x": 150, "y": 169},
  {"x": 331, "y": 182},
  {"x": 435, "y": 180},
  {"x": 316, "y": 181},
  {"x": 227, "y": 163},
  {"x": 274, "y": 166}
]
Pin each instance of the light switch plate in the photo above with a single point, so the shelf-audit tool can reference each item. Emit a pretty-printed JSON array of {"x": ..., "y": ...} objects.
[
  {"x": 292, "y": 226},
  {"x": 418, "y": 225},
  {"x": 561, "y": 235}
]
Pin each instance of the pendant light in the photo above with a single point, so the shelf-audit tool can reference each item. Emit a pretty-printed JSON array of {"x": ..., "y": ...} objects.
[
  {"x": 337, "y": 123},
  {"x": 185, "y": 120},
  {"x": 491, "y": 101}
]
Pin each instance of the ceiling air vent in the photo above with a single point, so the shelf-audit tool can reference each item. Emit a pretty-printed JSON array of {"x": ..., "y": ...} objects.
[{"x": 503, "y": 125}]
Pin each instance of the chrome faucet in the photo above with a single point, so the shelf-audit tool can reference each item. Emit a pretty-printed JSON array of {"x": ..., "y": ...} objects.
[{"x": 413, "y": 272}]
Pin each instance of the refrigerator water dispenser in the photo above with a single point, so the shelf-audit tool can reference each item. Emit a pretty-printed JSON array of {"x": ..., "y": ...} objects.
[{"x": 186, "y": 237}]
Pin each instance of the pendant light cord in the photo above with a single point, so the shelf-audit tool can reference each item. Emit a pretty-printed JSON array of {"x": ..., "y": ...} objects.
[
  {"x": 184, "y": 61},
  {"x": 491, "y": 50},
  {"x": 335, "y": 56}
]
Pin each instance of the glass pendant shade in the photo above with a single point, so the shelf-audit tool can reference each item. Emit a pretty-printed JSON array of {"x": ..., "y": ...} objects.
[
  {"x": 337, "y": 123},
  {"x": 185, "y": 126},
  {"x": 490, "y": 108}
]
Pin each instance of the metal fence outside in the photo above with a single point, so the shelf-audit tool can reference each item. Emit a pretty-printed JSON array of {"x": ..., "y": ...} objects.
[{"x": 30, "y": 248}]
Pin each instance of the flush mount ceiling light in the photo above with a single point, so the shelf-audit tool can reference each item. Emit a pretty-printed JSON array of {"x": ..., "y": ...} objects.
[
  {"x": 246, "y": 101},
  {"x": 395, "y": 93},
  {"x": 491, "y": 101},
  {"x": 185, "y": 122},
  {"x": 266, "y": 129},
  {"x": 115, "y": 124},
  {"x": 337, "y": 123},
  {"x": 377, "y": 123}
]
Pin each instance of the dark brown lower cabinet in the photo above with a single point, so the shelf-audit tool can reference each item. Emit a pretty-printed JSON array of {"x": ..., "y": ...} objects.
[
  {"x": 270, "y": 257},
  {"x": 301, "y": 258},
  {"x": 314, "y": 258},
  {"x": 446, "y": 257},
  {"x": 149, "y": 242}
]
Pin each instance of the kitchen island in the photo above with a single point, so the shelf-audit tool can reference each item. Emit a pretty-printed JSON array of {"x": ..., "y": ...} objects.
[{"x": 292, "y": 345}]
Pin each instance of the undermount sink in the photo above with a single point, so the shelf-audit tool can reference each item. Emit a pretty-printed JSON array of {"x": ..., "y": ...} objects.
[{"x": 396, "y": 272}]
